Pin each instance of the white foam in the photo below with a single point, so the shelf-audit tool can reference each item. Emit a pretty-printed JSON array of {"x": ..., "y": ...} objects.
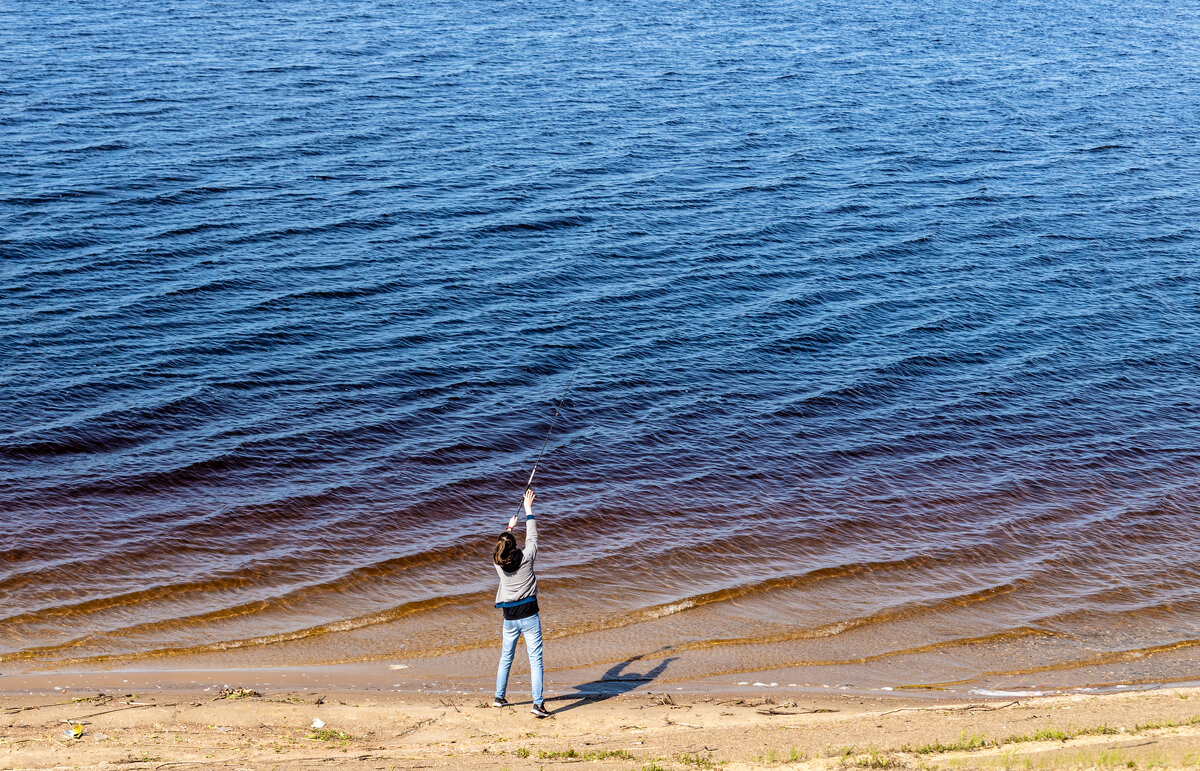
[
  {"x": 987, "y": 692},
  {"x": 672, "y": 609}
]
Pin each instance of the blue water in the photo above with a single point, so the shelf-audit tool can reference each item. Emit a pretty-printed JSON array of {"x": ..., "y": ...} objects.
[{"x": 289, "y": 290}]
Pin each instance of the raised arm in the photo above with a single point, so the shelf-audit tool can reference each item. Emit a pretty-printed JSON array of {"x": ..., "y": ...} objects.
[{"x": 530, "y": 527}]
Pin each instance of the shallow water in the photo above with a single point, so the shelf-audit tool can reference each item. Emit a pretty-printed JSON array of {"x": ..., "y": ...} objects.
[{"x": 885, "y": 319}]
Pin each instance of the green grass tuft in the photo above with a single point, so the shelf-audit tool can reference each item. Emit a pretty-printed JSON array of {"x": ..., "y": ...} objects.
[
  {"x": 606, "y": 754},
  {"x": 560, "y": 754},
  {"x": 875, "y": 759},
  {"x": 964, "y": 744},
  {"x": 329, "y": 735},
  {"x": 1051, "y": 734}
]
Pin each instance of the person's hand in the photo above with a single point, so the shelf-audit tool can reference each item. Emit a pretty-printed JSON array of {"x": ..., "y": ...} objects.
[
  {"x": 512, "y": 522},
  {"x": 528, "y": 501}
]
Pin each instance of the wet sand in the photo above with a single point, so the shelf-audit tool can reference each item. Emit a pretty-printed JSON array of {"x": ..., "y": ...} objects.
[{"x": 641, "y": 729}]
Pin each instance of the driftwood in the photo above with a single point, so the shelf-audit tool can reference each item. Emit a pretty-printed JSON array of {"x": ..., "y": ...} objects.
[
  {"x": 417, "y": 727},
  {"x": 963, "y": 708},
  {"x": 140, "y": 705}
]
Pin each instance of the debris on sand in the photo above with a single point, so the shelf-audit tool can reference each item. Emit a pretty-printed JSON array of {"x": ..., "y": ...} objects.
[{"x": 237, "y": 693}]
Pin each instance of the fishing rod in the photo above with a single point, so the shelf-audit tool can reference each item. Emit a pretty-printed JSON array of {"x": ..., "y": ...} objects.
[{"x": 557, "y": 411}]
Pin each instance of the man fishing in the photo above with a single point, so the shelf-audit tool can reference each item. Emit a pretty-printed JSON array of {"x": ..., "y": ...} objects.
[
  {"x": 517, "y": 598},
  {"x": 517, "y": 595}
]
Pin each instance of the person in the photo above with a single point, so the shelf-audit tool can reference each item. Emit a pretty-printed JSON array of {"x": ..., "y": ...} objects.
[{"x": 517, "y": 598}]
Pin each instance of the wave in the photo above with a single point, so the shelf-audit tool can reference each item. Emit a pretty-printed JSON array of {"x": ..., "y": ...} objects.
[
  {"x": 96, "y": 148},
  {"x": 892, "y": 615},
  {"x": 538, "y": 226},
  {"x": 345, "y": 625},
  {"x": 216, "y": 285},
  {"x": 363, "y": 577},
  {"x": 107, "y": 429},
  {"x": 1099, "y": 659},
  {"x": 76, "y": 610},
  {"x": 1007, "y": 635},
  {"x": 801, "y": 581},
  {"x": 347, "y": 580}
]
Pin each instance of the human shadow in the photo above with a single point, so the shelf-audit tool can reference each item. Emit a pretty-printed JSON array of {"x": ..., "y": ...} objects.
[{"x": 615, "y": 682}]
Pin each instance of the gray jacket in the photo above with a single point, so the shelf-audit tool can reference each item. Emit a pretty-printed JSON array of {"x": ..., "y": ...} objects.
[{"x": 521, "y": 584}]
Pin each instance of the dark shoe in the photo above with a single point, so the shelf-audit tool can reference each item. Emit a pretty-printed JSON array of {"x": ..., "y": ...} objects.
[
  {"x": 539, "y": 711},
  {"x": 500, "y": 702}
]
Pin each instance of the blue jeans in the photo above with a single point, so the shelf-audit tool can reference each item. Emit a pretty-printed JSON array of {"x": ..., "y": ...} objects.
[{"x": 532, "y": 629}]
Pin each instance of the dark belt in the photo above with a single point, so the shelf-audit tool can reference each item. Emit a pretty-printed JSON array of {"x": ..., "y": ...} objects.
[{"x": 524, "y": 610}]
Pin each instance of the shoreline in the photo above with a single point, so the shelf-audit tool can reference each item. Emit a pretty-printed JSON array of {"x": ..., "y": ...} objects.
[
  {"x": 691, "y": 652},
  {"x": 398, "y": 677},
  {"x": 638, "y": 729}
]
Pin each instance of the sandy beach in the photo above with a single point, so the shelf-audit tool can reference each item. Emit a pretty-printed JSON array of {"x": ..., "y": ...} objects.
[{"x": 638, "y": 730}]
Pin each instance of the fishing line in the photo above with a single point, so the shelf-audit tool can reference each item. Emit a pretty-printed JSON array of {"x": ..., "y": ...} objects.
[{"x": 557, "y": 412}]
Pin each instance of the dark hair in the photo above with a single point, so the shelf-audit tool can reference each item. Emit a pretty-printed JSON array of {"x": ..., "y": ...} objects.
[{"x": 506, "y": 554}]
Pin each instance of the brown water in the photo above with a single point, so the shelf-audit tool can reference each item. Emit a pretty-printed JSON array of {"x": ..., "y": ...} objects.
[{"x": 1032, "y": 614}]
